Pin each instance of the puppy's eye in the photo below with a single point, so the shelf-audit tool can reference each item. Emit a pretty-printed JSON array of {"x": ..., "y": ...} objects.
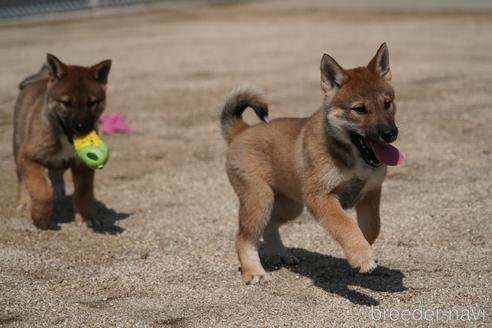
[
  {"x": 92, "y": 103},
  {"x": 387, "y": 104},
  {"x": 360, "y": 110},
  {"x": 65, "y": 102}
]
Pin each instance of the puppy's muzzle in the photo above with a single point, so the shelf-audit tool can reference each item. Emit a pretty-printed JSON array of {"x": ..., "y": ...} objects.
[{"x": 389, "y": 135}]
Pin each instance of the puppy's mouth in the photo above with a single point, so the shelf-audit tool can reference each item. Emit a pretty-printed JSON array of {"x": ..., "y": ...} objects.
[
  {"x": 68, "y": 132},
  {"x": 365, "y": 150},
  {"x": 376, "y": 153}
]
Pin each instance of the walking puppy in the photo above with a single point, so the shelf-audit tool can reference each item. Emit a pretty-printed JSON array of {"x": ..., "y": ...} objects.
[
  {"x": 54, "y": 105},
  {"x": 333, "y": 160}
]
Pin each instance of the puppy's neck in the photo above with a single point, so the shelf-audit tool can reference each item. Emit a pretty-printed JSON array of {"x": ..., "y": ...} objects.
[{"x": 337, "y": 141}]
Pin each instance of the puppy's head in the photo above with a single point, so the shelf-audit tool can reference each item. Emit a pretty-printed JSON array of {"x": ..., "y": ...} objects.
[
  {"x": 76, "y": 95},
  {"x": 360, "y": 106}
]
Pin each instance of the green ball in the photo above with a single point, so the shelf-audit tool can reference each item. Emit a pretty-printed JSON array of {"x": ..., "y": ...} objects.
[{"x": 95, "y": 157}]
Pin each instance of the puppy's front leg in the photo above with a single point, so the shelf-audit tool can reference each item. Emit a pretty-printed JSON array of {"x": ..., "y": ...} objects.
[
  {"x": 39, "y": 188},
  {"x": 57, "y": 182},
  {"x": 23, "y": 198},
  {"x": 83, "y": 195},
  {"x": 368, "y": 214},
  {"x": 329, "y": 212}
]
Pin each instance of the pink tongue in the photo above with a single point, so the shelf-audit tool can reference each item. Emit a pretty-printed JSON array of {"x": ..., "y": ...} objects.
[{"x": 387, "y": 154}]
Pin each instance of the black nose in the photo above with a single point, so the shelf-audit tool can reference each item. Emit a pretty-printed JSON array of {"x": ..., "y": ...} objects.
[
  {"x": 389, "y": 135},
  {"x": 79, "y": 128}
]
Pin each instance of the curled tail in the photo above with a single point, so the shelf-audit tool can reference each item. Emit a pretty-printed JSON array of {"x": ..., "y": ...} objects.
[{"x": 234, "y": 105}]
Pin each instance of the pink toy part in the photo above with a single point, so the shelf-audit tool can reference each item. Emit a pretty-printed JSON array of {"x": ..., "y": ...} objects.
[{"x": 113, "y": 123}]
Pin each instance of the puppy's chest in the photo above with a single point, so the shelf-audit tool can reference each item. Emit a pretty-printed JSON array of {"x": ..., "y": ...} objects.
[
  {"x": 62, "y": 155},
  {"x": 351, "y": 191}
]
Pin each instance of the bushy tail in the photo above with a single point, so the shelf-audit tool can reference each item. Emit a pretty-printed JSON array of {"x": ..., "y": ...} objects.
[{"x": 234, "y": 105}]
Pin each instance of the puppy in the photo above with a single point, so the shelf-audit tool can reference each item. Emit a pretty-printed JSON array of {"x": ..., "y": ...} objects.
[
  {"x": 55, "y": 104},
  {"x": 334, "y": 160}
]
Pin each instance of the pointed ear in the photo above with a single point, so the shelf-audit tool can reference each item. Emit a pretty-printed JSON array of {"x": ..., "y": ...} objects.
[
  {"x": 56, "y": 69},
  {"x": 101, "y": 71},
  {"x": 380, "y": 63},
  {"x": 332, "y": 74}
]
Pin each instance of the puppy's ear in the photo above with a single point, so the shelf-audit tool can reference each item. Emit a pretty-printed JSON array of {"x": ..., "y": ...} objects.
[
  {"x": 101, "y": 71},
  {"x": 380, "y": 63},
  {"x": 56, "y": 69},
  {"x": 332, "y": 75}
]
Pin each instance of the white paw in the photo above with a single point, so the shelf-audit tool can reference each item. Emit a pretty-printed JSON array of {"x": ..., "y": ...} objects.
[
  {"x": 256, "y": 278},
  {"x": 368, "y": 267},
  {"x": 362, "y": 260}
]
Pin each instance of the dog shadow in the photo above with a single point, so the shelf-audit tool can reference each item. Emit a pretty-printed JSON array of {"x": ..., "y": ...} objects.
[
  {"x": 106, "y": 217},
  {"x": 334, "y": 275}
]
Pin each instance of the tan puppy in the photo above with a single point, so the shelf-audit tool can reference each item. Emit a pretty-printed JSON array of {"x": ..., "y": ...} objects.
[
  {"x": 54, "y": 105},
  {"x": 333, "y": 160}
]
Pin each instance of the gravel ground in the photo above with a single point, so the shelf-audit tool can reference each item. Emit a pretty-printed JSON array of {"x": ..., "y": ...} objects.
[{"x": 165, "y": 256}]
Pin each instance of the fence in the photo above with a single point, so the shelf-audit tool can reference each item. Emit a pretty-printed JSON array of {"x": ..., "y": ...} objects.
[{"x": 20, "y": 8}]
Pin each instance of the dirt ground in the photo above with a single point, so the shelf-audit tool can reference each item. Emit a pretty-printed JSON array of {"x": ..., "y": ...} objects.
[{"x": 165, "y": 256}]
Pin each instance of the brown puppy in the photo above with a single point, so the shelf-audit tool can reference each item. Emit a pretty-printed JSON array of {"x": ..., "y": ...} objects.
[
  {"x": 54, "y": 105},
  {"x": 333, "y": 160}
]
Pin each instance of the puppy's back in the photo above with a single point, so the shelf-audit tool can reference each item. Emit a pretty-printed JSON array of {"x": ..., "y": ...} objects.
[{"x": 29, "y": 104}]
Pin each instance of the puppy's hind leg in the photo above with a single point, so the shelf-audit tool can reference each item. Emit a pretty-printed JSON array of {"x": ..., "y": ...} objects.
[
  {"x": 256, "y": 200},
  {"x": 283, "y": 210}
]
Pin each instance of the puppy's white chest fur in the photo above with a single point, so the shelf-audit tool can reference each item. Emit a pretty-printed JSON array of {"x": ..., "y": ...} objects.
[
  {"x": 357, "y": 182},
  {"x": 373, "y": 177}
]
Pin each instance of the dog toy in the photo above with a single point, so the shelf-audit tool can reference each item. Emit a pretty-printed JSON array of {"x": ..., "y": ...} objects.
[{"x": 91, "y": 150}]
